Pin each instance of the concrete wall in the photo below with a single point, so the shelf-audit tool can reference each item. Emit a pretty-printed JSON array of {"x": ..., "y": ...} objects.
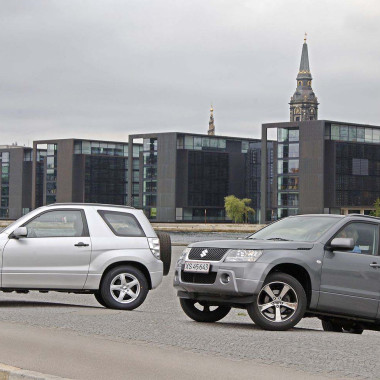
[
  {"x": 311, "y": 174},
  {"x": 166, "y": 177},
  {"x": 65, "y": 152}
]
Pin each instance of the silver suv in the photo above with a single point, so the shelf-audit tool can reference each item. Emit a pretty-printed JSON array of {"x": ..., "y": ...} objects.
[
  {"x": 324, "y": 266},
  {"x": 110, "y": 251}
]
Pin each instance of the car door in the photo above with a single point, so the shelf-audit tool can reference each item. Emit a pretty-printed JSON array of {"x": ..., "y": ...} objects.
[
  {"x": 350, "y": 281},
  {"x": 55, "y": 254}
]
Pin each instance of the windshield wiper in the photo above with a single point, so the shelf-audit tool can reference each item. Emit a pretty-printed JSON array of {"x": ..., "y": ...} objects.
[{"x": 279, "y": 239}]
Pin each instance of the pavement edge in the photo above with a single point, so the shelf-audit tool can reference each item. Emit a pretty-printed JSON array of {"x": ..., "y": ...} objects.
[{"x": 8, "y": 372}]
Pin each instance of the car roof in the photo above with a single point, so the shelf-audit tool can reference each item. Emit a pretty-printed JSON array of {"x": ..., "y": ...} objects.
[
  {"x": 89, "y": 205},
  {"x": 339, "y": 216}
]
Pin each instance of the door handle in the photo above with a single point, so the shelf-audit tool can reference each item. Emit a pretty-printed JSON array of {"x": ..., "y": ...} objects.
[
  {"x": 81, "y": 244},
  {"x": 374, "y": 265}
]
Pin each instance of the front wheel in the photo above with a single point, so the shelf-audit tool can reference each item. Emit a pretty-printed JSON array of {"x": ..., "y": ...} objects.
[
  {"x": 280, "y": 304},
  {"x": 202, "y": 312},
  {"x": 99, "y": 298},
  {"x": 124, "y": 287}
]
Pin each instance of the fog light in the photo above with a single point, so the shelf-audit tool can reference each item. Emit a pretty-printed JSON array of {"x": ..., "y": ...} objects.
[{"x": 225, "y": 278}]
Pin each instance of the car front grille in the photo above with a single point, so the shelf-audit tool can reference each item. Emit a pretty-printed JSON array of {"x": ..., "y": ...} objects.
[
  {"x": 198, "y": 278},
  {"x": 207, "y": 254}
]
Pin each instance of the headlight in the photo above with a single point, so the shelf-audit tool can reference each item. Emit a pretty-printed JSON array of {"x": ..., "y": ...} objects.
[
  {"x": 184, "y": 253},
  {"x": 242, "y": 255}
]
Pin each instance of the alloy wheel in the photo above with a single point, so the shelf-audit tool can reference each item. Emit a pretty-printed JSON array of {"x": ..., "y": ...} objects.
[
  {"x": 277, "y": 301},
  {"x": 125, "y": 288}
]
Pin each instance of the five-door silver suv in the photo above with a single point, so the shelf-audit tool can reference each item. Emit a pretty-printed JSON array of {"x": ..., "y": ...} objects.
[
  {"x": 110, "y": 251},
  {"x": 325, "y": 266}
]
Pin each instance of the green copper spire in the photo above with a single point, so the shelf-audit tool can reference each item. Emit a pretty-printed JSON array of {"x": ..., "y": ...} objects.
[{"x": 304, "y": 71}]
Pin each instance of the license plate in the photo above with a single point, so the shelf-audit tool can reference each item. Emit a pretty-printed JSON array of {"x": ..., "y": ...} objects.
[{"x": 197, "y": 266}]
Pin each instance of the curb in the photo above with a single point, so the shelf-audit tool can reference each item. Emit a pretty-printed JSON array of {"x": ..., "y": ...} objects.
[{"x": 8, "y": 372}]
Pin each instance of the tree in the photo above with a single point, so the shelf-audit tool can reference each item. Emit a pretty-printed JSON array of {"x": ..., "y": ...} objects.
[
  {"x": 247, "y": 210},
  {"x": 376, "y": 211},
  {"x": 234, "y": 208},
  {"x": 237, "y": 209}
]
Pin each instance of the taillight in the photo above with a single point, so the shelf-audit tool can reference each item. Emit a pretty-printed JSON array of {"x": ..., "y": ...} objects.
[{"x": 154, "y": 245}]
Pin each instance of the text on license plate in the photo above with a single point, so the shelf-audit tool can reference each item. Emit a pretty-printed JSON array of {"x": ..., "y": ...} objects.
[{"x": 197, "y": 266}]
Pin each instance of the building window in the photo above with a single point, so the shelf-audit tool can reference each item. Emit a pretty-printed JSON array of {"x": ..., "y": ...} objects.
[{"x": 359, "y": 166}]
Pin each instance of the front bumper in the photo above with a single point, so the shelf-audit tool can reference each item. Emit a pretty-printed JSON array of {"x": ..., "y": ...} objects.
[{"x": 224, "y": 279}]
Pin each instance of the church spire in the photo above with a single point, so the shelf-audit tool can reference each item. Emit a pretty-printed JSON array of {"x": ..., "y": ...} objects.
[
  {"x": 304, "y": 103},
  {"x": 211, "y": 125},
  {"x": 304, "y": 65}
]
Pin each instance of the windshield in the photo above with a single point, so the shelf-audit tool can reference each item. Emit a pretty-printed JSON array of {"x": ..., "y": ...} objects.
[{"x": 298, "y": 228}]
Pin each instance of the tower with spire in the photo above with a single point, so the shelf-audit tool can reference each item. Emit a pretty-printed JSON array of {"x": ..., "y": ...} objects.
[
  {"x": 211, "y": 125},
  {"x": 304, "y": 103}
]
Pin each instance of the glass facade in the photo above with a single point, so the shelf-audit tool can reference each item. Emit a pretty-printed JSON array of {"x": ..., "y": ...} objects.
[
  {"x": 106, "y": 171},
  {"x": 106, "y": 179},
  {"x": 149, "y": 190},
  {"x": 200, "y": 143},
  {"x": 208, "y": 179},
  {"x": 51, "y": 174},
  {"x": 357, "y": 174},
  {"x": 136, "y": 202},
  {"x": 4, "y": 185},
  {"x": 287, "y": 171},
  {"x": 101, "y": 148},
  {"x": 253, "y": 178},
  {"x": 40, "y": 174},
  {"x": 352, "y": 133}
]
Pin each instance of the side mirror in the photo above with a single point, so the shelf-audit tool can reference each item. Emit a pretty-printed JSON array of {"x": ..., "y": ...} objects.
[
  {"x": 342, "y": 243},
  {"x": 19, "y": 232}
]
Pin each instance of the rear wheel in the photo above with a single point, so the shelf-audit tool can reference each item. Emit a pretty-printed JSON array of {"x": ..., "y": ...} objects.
[
  {"x": 202, "y": 312},
  {"x": 333, "y": 326},
  {"x": 280, "y": 304},
  {"x": 124, "y": 287}
]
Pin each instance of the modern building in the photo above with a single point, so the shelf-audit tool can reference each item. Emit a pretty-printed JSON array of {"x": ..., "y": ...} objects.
[
  {"x": 322, "y": 166},
  {"x": 184, "y": 177},
  {"x": 91, "y": 171},
  {"x": 15, "y": 181}
]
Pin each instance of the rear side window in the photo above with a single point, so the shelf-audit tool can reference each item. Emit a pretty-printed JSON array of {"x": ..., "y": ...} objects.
[{"x": 122, "y": 223}]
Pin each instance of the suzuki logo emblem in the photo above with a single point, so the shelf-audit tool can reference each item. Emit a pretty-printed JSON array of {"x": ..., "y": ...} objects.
[{"x": 204, "y": 253}]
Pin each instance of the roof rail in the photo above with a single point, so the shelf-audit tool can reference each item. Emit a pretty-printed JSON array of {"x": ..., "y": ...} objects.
[
  {"x": 88, "y": 204},
  {"x": 364, "y": 216}
]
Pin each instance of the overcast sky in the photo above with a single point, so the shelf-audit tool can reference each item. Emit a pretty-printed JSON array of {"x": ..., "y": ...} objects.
[{"x": 103, "y": 69}]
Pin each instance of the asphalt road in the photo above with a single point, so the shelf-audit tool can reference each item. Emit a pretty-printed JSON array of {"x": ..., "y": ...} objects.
[{"x": 72, "y": 336}]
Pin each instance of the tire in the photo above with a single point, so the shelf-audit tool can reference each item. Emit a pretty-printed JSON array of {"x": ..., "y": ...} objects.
[
  {"x": 99, "y": 298},
  {"x": 280, "y": 312},
  {"x": 205, "y": 315},
  {"x": 132, "y": 296},
  {"x": 332, "y": 326},
  {"x": 165, "y": 250}
]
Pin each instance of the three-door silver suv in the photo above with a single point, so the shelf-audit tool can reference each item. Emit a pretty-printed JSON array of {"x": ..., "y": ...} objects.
[
  {"x": 110, "y": 251},
  {"x": 325, "y": 266}
]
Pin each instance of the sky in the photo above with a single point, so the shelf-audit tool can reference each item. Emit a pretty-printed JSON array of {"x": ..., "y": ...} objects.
[{"x": 104, "y": 69}]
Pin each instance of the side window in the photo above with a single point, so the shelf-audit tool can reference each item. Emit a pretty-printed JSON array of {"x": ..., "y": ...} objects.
[
  {"x": 62, "y": 223},
  {"x": 365, "y": 235},
  {"x": 122, "y": 224}
]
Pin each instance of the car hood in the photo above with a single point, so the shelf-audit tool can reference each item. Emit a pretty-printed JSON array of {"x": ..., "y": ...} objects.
[{"x": 253, "y": 244}]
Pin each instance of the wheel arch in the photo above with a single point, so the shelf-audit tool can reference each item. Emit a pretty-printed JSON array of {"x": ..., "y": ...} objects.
[
  {"x": 298, "y": 272},
  {"x": 135, "y": 264}
]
